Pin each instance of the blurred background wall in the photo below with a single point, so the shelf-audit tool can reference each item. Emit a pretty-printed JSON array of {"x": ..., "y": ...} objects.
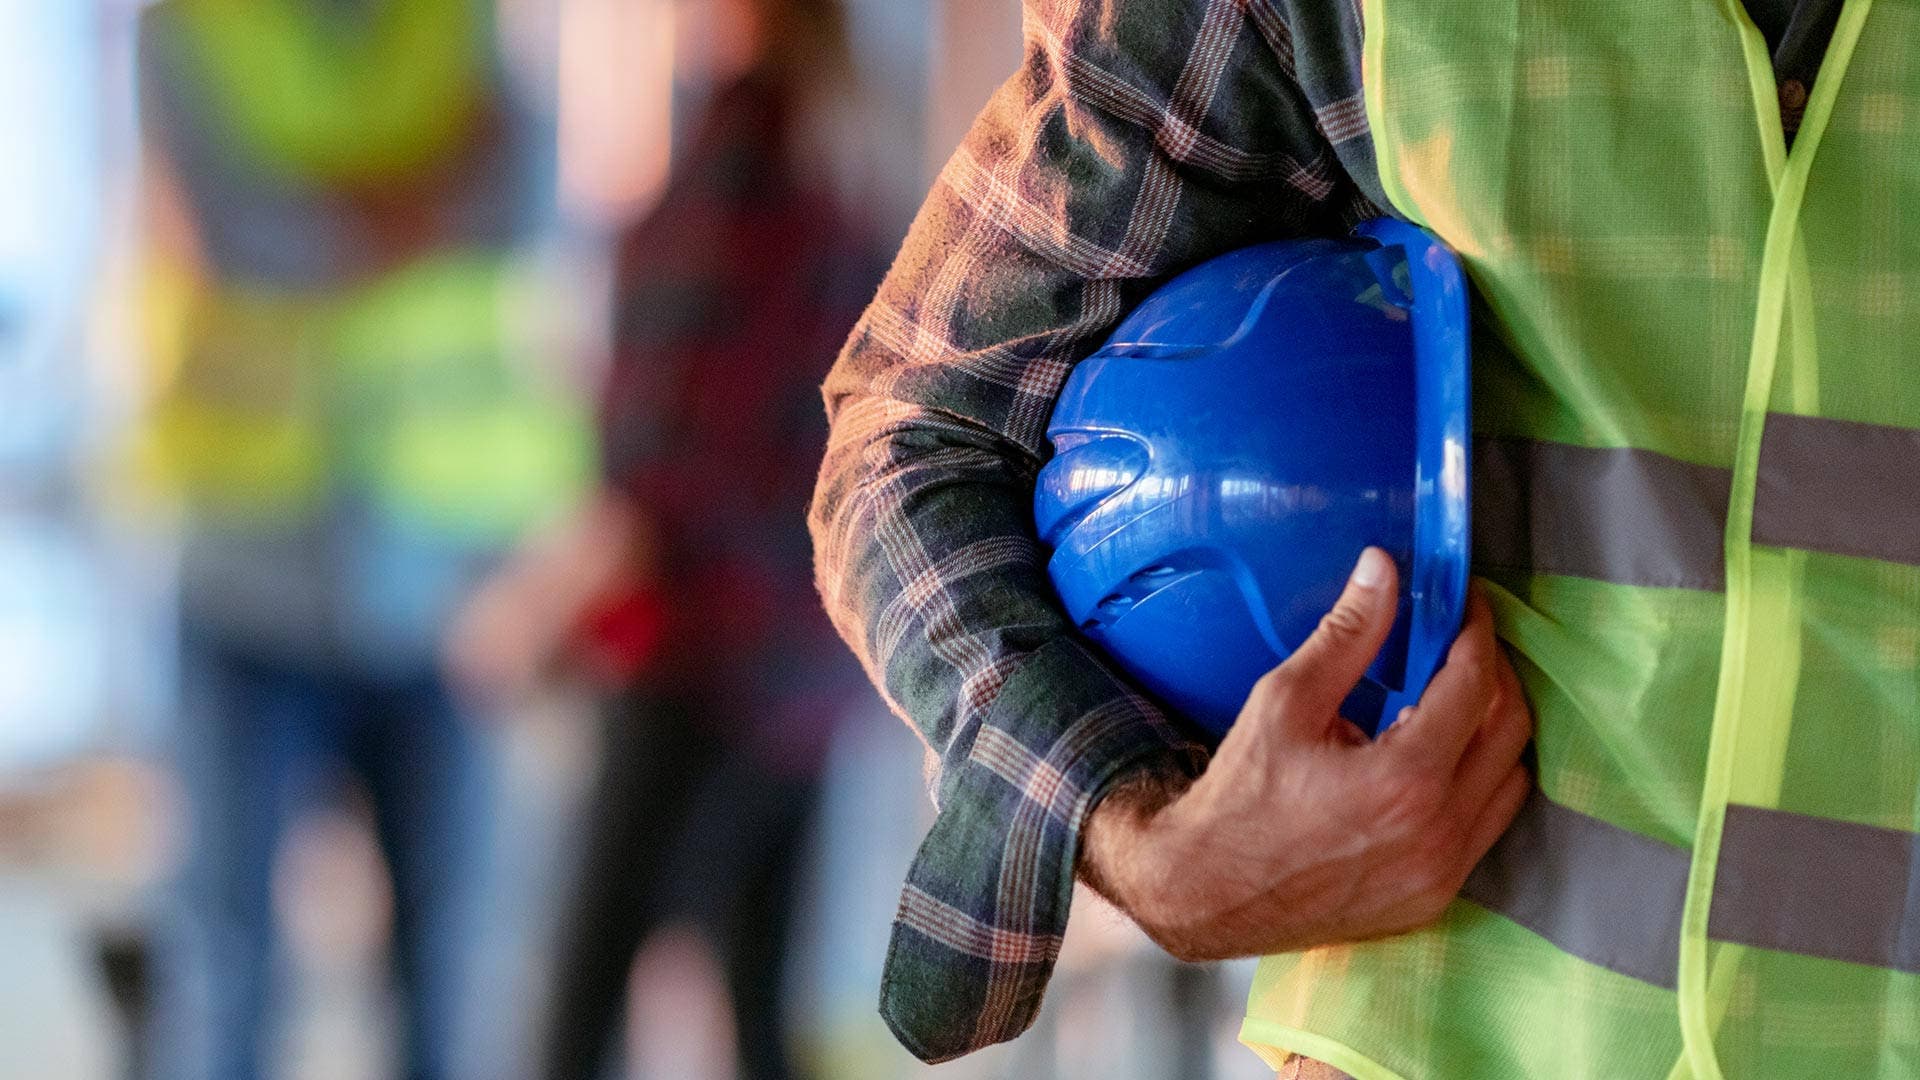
[{"x": 123, "y": 209}]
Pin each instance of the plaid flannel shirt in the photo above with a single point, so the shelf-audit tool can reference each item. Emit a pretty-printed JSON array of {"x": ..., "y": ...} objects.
[{"x": 1138, "y": 138}]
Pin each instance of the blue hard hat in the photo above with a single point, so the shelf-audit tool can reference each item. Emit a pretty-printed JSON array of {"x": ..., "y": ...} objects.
[{"x": 1222, "y": 461}]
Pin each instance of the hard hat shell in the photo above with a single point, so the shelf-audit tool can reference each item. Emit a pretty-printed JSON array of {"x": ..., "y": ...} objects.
[{"x": 1220, "y": 463}]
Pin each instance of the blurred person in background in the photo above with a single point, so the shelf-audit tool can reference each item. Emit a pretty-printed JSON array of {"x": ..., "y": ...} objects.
[
  {"x": 355, "y": 428},
  {"x": 684, "y": 588}
]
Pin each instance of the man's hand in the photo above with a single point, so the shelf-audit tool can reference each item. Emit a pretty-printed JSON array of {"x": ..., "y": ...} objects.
[{"x": 1303, "y": 832}]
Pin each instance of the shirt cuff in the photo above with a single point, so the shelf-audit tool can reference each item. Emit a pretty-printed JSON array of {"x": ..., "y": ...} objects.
[{"x": 985, "y": 904}]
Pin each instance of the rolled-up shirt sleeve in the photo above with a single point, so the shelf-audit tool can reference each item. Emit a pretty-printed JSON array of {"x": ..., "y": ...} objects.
[{"x": 1139, "y": 137}]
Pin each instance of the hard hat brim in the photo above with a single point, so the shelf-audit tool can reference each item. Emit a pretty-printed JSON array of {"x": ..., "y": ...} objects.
[{"x": 1442, "y": 535}]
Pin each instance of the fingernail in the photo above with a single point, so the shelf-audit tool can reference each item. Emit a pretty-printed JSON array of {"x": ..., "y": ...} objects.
[{"x": 1371, "y": 570}]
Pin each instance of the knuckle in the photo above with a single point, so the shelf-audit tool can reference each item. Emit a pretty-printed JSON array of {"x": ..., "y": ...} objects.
[
  {"x": 1517, "y": 721},
  {"x": 1499, "y": 697},
  {"x": 1422, "y": 883},
  {"x": 1183, "y": 947},
  {"x": 1435, "y": 877},
  {"x": 1432, "y": 905},
  {"x": 1413, "y": 803},
  {"x": 1189, "y": 953},
  {"x": 1344, "y": 622},
  {"x": 1405, "y": 825},
  {"x": 1275, "y": 685},
  {"x": 1509, "y": 728},
  {"x": 1520, "y": 713},
  {"x": 1275, "y": 693},
  {"x": 1478, "y": 672}
]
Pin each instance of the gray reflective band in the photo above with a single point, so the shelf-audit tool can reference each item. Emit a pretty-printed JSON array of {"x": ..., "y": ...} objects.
[
  {"x": 1608, "y": 895},
  {"x": 1839, "y": 487},
  {"x": 1631, "y": 517},
  {"x": 1634, "y": 517},
  {"x": 1819, "y": 887},
  {"x": 1787, "y": 882}
]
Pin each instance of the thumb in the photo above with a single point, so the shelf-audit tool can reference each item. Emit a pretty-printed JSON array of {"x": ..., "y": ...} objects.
[{"x": 1326, "y": 668}]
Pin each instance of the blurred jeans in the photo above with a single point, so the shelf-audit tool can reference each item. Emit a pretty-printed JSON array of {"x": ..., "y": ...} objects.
[
  {"x": 260, "y": 742},
  {"x": 682, "y": 826}
]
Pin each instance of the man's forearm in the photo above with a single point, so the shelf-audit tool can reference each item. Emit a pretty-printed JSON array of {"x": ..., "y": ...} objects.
[
  {"x": 1140, "y": 137},
  {"x": 1110, "y": 849}
]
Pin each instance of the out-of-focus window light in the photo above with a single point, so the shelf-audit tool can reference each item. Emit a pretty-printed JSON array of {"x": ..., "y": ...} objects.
[
  {"x": 50, "y": 195},
  {"x": 615, "y": 106}
]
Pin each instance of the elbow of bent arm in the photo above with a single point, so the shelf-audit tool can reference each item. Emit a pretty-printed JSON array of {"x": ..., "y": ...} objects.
[{"x": 907, "y": 494}]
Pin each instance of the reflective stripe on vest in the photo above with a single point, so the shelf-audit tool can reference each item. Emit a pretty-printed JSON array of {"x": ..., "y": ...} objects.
[
  {"x": 1840, "y": 487},
  {"x": 1630, "y": 517},
  {"x": 1635, "y": 517},
  {"x": 1798, "y": 884}
]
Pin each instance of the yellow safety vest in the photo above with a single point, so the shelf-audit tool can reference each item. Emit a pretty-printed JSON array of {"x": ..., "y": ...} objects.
[
  {"x": 337, "y": 99},
  {"x": 1698, "y": 461},
  {"x": 415, "y": 392}
]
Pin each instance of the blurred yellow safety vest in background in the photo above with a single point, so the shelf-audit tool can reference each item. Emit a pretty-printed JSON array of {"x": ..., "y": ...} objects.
[
  {"x": 336, "y": 94},
  {"x": 1698, "y": 462},
  {"x": 419, "y": 391},
  {"x": 417, "y": 388}
]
